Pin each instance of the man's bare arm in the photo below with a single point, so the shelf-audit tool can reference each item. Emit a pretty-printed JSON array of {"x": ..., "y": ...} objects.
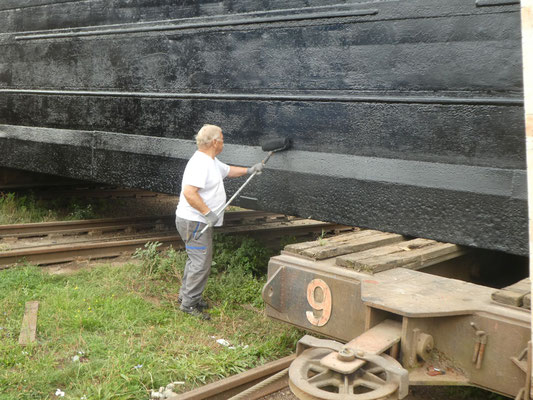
[{"x": 235, "y": 172}]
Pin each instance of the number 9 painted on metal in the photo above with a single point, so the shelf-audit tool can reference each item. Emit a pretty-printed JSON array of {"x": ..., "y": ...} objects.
[{"x": 323, "y": 305}]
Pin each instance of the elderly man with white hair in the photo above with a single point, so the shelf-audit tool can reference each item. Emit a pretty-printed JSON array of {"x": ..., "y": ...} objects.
[{"x": 202, "y": 196}]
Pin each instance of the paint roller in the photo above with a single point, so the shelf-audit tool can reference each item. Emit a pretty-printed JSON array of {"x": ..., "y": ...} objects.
[{"x": 272, "y": 146}]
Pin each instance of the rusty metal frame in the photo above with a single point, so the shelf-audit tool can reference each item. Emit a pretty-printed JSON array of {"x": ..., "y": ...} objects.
[{"x": 464, "y": 347}]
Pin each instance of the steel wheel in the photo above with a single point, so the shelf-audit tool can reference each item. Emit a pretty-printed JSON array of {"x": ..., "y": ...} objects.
[{"x": 309, "y": 380}]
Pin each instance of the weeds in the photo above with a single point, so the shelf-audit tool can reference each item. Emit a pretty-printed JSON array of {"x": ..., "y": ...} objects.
[
  {"x": 19, "y": 209},
  {"x": 81, "y": 211},
  {"x": 170, "y": 263},
  {"x": 16, "y": 209},
  {"x": 237, "y": 275},
  {"x": 240, "y": 253}
]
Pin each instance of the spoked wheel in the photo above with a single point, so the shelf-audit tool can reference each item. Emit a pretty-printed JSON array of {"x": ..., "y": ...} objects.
[{"x": 309, "y": 380}]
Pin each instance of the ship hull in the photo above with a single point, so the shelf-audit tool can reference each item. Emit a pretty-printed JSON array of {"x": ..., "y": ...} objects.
[{"x": 405, "y": 116}]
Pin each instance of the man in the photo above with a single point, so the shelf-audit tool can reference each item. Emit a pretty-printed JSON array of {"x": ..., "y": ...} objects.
[{"x": 202, "y": 197}]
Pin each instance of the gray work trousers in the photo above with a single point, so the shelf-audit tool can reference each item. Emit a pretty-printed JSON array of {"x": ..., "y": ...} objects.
[{"x": 198, "y": 265}]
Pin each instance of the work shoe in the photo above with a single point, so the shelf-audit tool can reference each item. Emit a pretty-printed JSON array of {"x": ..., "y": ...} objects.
[
  {"x": 202, "y": 304},
  {"x": 195, "y": 311}
]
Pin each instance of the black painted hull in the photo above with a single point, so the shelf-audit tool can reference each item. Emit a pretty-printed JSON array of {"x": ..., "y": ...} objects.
[{"x": 405, "y": 116}]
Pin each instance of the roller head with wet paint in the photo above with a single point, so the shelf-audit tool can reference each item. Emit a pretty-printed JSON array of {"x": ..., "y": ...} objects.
[{"x": 278, "y": 144}]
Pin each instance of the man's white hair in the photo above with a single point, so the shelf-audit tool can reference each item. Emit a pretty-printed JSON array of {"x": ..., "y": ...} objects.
[{"x": 207, "y": 133}]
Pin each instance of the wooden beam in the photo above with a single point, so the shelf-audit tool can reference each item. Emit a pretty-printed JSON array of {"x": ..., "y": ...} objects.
[{"x": 29, "y": 323}]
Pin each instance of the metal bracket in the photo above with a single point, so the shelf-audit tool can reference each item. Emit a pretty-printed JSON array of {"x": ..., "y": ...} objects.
[
  {"x": 309, "y": 341},
  {"x": 479, "y": 349},
  {"x": 272, "y": 291}
]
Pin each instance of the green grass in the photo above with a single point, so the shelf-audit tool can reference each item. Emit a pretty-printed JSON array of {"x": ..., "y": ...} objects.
[{"x": 114, "y": 332}]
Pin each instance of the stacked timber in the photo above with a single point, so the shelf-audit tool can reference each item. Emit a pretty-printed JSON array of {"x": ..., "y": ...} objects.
[{"x": 372, "y": 251}]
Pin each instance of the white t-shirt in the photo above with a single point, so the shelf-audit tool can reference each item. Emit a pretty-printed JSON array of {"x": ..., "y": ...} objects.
[{"x": 207, "y": 174}]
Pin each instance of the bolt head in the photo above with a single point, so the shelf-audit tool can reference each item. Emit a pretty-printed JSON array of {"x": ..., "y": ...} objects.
[{"x": 346, "y": 354}]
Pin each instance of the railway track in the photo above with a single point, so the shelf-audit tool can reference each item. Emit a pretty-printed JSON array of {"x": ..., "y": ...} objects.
[
  {"x": 94, "y": 226},
  {"x": 50, "y": 243},
  {"x": 49, "y": 191},
  {"x": 254, "y": 384}
]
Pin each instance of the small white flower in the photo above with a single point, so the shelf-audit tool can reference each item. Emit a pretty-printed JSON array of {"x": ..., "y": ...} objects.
[
  {"x": 60, "y": 393},
  {"x": 138, "y": 366},
  {"x": 83, "y": 398}
]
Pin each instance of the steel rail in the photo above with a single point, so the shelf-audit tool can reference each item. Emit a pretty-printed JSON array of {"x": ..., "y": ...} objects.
[
  {"x": 107, "y": 224},
  {"x": 46, "y": 190},
  {"x": 98, "y": 249},
  {"x": 99, "y": 193},
  {"x": 236, "y": 384}
]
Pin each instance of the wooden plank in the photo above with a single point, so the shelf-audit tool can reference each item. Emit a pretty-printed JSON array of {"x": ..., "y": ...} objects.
[
  {"x": 29, "y": 323},
  {"x": 510, "y": 297},
  {"x": 297, "y": 248},
  {"x": 526, "y": 301},
  {"x": 434, "y": 260},
  {"x": 412, "y": 259},
  {"x": 518, "y": 294},
  {"x": 359, "y": 244},
  {"x": 349, "y": 260}
]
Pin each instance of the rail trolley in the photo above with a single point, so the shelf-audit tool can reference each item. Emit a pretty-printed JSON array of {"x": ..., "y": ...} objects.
[{"x": 395, "y": 319}]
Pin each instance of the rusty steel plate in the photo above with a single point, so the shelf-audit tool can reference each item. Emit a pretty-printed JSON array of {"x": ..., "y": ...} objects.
[{"x": 324, "y": 303}]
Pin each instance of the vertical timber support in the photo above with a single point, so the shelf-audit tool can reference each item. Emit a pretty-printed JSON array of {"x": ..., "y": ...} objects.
[
  {"x": 527, "y": 57},
  {"x": 408, "y": 343}
]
